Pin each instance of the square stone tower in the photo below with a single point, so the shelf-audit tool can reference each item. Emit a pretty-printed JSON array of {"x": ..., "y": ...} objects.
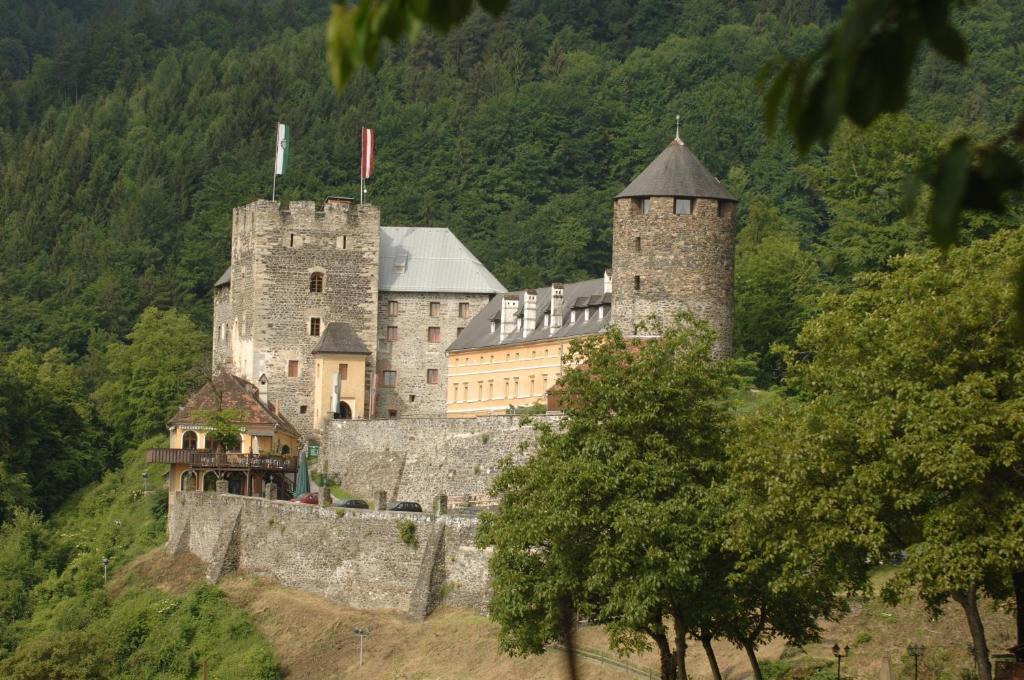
[
  {"x": 294, "y": 270},
  {"x": 673, "y": 242}
]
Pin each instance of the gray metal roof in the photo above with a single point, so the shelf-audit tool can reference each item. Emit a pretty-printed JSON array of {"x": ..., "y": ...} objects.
[
  {"x": 340, "y": 338},
  {"x": 676, "y": 172},
  {"x": 478, "y": 333},
  {"x": 431, "y": 260}
]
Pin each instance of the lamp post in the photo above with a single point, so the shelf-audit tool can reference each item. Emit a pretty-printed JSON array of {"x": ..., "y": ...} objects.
[
  {"x": 106, "y": 561},
  {"x": 917, "y": 651},
  {"x": 363, "y": 633},
  {"x": 145, "y": 482},
  {"x": 839, "y": 658}
]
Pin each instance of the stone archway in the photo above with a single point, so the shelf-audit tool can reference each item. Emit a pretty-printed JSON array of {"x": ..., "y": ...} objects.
[{"x": 210, "y": 481}]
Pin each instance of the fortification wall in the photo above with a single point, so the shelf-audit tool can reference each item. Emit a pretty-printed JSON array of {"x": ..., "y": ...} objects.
[
  {"x": 417, "y": 459},
  {"x": 357, "y": 559}
]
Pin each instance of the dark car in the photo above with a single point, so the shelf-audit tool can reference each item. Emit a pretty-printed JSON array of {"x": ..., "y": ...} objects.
[
  {"x": 357, "y": 503},
  {"x": 405, "y": 506}
]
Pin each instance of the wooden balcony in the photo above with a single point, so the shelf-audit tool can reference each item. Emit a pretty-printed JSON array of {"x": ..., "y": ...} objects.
[{"x": 203, "y": 458}]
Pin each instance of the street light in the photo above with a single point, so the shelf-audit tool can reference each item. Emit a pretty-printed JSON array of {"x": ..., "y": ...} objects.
[
  {"x": 106, "y": 561},
  {"x": 917, "y": 651},
  {"x": 362, "y": 633},
  {"x": 839, "y": 657}
]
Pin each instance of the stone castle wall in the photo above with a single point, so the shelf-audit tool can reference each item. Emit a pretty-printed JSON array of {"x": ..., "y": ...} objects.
[
  {"x": 274, "y": 252},
  {"x": 357, "y": 558},
  {"x": 417, "y": 459},
  {"x": 222, "y": 318},
  {"x": 412, "y": 353},
  {"x": 685, "y": 262}
]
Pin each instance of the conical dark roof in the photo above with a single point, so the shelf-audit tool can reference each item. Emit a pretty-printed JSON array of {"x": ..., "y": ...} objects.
[{"x": 676, "y": 172}]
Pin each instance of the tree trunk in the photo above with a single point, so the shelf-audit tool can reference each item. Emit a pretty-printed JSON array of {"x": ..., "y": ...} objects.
[
  {"x": 752, "y": 657},
  {"x": 969, "y": 602},
  {"x": 567, "y": 621},
  {"x": 668, "y": 663},
  {"x": 1018, "y": 589},
  {"x": 716, "y": 673},
  {"x": 681, "y": 649}
]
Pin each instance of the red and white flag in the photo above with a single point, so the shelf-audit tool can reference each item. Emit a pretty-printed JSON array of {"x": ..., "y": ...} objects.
[{"x": 366, "y": 166}]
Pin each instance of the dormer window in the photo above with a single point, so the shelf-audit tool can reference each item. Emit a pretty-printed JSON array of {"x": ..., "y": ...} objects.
[
  {"x": 519, "y": 323},
  {"x": 316, "y": 282},
  {"x": 684, "y": 206},
  {"x": 494, "y": 325},
  {"x": 586, "y": 314},
  {"x": 547, "y": 319},
  {"x": 572, "y": 316}
]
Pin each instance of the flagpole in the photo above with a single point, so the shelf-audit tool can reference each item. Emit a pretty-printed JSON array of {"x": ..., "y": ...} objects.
[{"x": 273, "y": 190}]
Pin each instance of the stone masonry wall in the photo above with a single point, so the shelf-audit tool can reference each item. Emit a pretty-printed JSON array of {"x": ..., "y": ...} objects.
[
  {"x": 417, "y": 459},
  {"x": 357, "y": 558},
  {"x": 412, "y": 353},
  {"x": 275, "y": 251},
  {"x": 222, "y": 317},
  {"x": 685, "y": 262}
]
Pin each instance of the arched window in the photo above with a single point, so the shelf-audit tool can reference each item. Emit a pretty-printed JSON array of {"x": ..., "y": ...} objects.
[
  {"x": 316, "y": 282},
  {"x": 189, "y": 440},
  {"x": 210, "y": 481},
  {"x": 188, "y": 480}
]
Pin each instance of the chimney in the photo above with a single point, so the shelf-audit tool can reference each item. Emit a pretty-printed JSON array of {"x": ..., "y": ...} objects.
[
  {"x": 557, "y": 303},
  {"x": 509, "y": 307},
  {"x": 607, "y": 280},
  {"x": 529, "y": 311}
]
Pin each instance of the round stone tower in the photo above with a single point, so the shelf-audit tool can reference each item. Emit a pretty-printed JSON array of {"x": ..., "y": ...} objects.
[{"x": 673, "y": 233}]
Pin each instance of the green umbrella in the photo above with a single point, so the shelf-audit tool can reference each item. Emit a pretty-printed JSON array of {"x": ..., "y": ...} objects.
[{"x": 302, "y": 477}]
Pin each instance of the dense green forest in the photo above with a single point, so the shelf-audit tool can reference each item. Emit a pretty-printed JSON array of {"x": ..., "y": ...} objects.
[{"x": 130, "y": 128}]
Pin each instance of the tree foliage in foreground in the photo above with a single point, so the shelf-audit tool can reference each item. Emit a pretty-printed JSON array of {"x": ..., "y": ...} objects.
[{"x": 903, "y": 431}]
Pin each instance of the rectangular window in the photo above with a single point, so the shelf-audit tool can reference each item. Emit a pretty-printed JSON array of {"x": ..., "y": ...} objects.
[
  {"x": 723, "y": 208},
  {"x": 344, "y": 242},
  {"x": 412, "y": 398},
  {"x": 636, "y": 244},
  {"x": 463, "y": 310},
  {"x": 291, "y": 240},
  {"x": 434, "y": 334},
  {"x": 684, "y": 206},
  {"x": 343, "y": 371},
  {"x": 458, "y": 331},
  {"x": 390, "y": 378},
  {"x": 392, "y": 413},
  {"x": 506, "y": 388},
  {"x": 533, "y": 385},
  {"x": 465, "y": 391},
  {"x": 293, "y": 368},
  {"x": 490, "y": 389},
  {"x": 392, "y": 307},
  {"x": 636, "y": 283},
  {"x": 455, "y": 392},
  {"x": 433, "y": 376},
  {"x": 645, "y": 205},
  {"x": 314, "y": 326},
  {"x": 515, "y": 388},
  {"x": 302, "y": 409},
  {"x": 435, "y": 309},
  {"x": 392, "y": 333}
]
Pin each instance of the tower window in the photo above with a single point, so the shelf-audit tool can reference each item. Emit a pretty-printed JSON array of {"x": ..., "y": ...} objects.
[
  {"x": 723, "y": 208},
  {"x": 636, "y": 283},
  {"x": 390, "y": 378},
  {"x": 344, "y": 242},
  {"x": 293, "y": 368},
  {"x": 684, "y": 206},
  {"x": 435, "y": 309},
  {"x": 392, "y": 307},
  {"x": 433, "y": 376},
  {"x": 392, "y": 333},
  {"x": 314, "y": 326},
  {"x": 645, "y": 205},
  {"x": 636, "y": 244},
  {"x": 291, "y": 240},
  {"x": 302, "y": 409},
  {"x": 434, "y": 334},
  {"x": 316, "y": 282},
  {"x": 458, "y": 331},
  {"x": 463, "y": 310}
]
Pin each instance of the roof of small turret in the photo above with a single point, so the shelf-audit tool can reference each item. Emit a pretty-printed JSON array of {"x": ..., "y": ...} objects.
[{"x": 676, "y": 172}]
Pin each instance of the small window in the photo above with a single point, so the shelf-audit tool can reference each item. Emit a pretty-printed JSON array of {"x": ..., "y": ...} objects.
[
  {"x": 463, "y": 310},
  {"x": 494, "y": 325},
  {"x": 455, "y": 392},
  {"x": 316, "y": 282},
  {"x": 390, "y": 378},
  {"x": 458, "y": 331},
  {"x": 684, "y": 206},
  {"x": 645, "y": 205},
  {"x": 392, "y": 333},
  {"x": 302, "y": 409},
  {"x": 343, "y": 371},
  {"x": 392, "y": 307},
  {"x": 636, "y": 283},
  {"x": 434, "y": 334},
  {"x": 723, "y": 208},
  {"x": 314, "y": 326},
  {"x": 293, "y": 368},
  {"x": 291, "y": 241},
  {"x": 636, "y": 244},
  {"x": 344, "y": 242},
  {"x": 435, "y": 309},
  {"x": 412, "y": 398},
  {"x": 392, "y": 413},
  {"x": 433, "y": 376}
]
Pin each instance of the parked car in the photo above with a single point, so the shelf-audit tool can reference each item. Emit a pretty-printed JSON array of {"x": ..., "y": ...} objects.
[
  {"x": 357, "y": 503},
  {"x": 405, "y": 506},
  {"x": 311, "y": 498}
]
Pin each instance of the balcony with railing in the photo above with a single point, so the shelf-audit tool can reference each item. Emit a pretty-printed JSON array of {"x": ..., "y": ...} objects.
[{"x": 204, "y": 458}]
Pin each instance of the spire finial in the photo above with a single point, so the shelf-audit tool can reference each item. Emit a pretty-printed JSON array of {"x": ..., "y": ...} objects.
[{"x": 677, "y": 129}]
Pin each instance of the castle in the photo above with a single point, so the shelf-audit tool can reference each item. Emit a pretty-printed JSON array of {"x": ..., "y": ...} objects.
[{"x": 336, "y": 317}]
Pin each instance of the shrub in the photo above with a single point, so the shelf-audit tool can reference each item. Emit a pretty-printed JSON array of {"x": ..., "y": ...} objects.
[{"x": 407, "y": 532}]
